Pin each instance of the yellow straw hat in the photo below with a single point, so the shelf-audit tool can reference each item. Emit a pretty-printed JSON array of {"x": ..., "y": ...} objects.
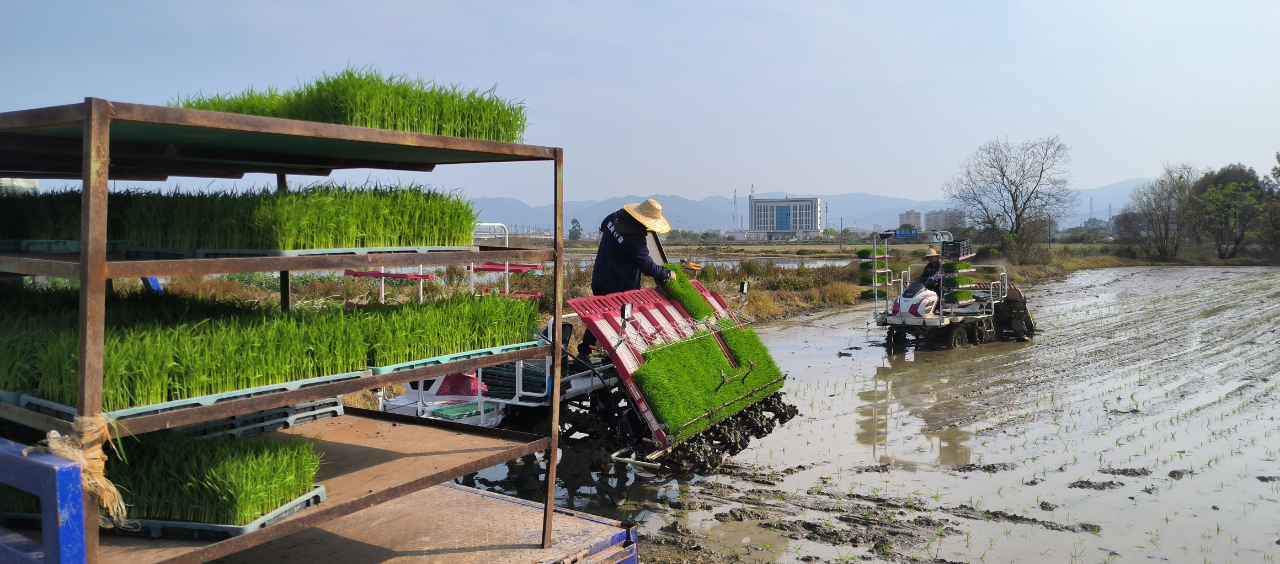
[
  {"x": 932, "y": 253},
  {"x": 649, "y": 212}
]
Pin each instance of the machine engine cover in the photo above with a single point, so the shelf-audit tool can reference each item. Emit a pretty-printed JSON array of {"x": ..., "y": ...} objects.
[{"x": 916, "y": 301}]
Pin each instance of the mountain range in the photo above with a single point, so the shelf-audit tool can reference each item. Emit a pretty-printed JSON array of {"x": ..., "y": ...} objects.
[{"x": 858, "y": 209}]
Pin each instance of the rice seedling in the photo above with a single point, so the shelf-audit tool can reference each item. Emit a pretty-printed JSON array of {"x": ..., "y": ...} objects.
[
  {"x": 364, "y": 97},
  {"x": 957, "y": 296},
  {"x": 955, "y": 266},
  {"x": 957, "y": 281},
  {"x": 319, "y": 216},
  {"x": 682, "y": 381},
  {"x": 682, "y": 291},
  {"x": 864, "y": 253},
  {"x": 460, "y": 322},
  {"x": 868, "y": 294},
  {"x": 169, "y": 347},
  {"x": 872, "y": 265},
  {"x": 222, "y": 480}
]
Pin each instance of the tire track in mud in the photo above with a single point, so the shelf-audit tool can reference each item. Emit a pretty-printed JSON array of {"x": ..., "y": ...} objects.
[
  {"x": 1075, "y": 352},
  {"x": 1173, "y": 387}
]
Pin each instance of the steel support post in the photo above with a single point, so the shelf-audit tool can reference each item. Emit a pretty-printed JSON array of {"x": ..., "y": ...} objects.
[
  {"x": 553, "y": 377},
  {"x": 282, "y": 186},
  {"x": 93, "y": 283}
]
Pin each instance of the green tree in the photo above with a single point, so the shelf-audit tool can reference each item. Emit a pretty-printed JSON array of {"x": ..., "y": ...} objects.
[
  {"x": 575, "y": 230},
  {"x": 1227, "y": 211},
  {"x": 1271, "y": 223},
  {"x": 1228, "y": 201}
]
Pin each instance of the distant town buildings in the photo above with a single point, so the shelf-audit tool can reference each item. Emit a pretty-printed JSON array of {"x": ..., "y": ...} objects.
[
  {"x": 910, "y": 217},
  {"x": 780, "y": 219},
  {"x": 19, "y": 185},
  {"x": 876, "y": 227},
  {"x": 934, "y": 220},
  {"x": 943, "y": 219}
]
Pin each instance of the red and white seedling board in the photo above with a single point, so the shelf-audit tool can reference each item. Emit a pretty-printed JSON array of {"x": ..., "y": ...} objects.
[{"x": 655, "y": 321}]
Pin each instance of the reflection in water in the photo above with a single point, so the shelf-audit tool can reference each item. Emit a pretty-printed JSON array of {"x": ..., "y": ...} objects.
[{"x": 912, "y": 379}]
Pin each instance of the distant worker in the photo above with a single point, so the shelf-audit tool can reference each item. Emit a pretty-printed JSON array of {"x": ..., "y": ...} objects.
[
  {"x": 624, "y": 254},
  {"x": 932, "y": 274}
]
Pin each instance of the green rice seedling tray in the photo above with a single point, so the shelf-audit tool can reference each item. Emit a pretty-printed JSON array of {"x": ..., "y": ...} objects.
[
  {"x": 189, "y": 530},
  {"x": 266, "y": 421},
  {"x": 157, "y": 253},
  {"x": 65, "y": 413},
  {"x": 13, "y": 398},
  {"x": 237, "y": 253},
  {"x": 53, "y": 246},
  {"x": 284, "y": 423},
  {"x": 447, "y": 358}
]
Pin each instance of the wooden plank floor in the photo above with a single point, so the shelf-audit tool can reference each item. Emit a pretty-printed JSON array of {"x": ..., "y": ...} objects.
[
  {"x": 443, "y": 524},
  {"x": 365, "y": 460}
]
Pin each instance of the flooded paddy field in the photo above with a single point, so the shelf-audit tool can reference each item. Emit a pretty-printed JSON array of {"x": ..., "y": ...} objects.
[{"x": 1140, "y": 425}]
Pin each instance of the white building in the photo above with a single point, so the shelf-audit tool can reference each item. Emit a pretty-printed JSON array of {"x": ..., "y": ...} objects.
[
  {"x": 911, "y": 217},
  {"x": 943, "y": 219},
  {"x": 781, "y": 219}
]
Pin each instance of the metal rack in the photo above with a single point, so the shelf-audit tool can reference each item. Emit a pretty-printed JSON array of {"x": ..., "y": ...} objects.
[{"x": 99, "y": 140}]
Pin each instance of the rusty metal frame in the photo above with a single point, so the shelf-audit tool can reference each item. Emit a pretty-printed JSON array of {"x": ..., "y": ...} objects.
[
  {"x": 553, "y": 453},
  {"x": 93, "y": 285},
  {"x": 21, "y": 149}
]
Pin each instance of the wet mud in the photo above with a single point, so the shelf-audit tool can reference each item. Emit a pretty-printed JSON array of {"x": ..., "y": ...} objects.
[{"x": 1154, "y": 388}]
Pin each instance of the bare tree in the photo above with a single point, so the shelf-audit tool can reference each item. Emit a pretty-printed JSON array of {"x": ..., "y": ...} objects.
[
  {"x": 1162, "y": 212},
  {"x": 1015, "y": 191}
]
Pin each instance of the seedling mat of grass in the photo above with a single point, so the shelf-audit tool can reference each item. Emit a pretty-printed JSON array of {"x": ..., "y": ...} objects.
[{"x": 692, "y": 383}]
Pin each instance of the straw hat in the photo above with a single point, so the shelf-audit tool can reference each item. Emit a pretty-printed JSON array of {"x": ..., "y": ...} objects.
[
  {"x": 932, "y": 253},
  {"x": 649, "y": 212}
]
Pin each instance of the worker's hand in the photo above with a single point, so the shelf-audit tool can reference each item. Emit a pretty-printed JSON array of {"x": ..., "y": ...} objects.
[{"x": 671, "y": 275}]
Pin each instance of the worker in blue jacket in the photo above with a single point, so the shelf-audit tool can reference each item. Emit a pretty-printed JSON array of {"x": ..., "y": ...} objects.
[{"x": 623, "y": 256}]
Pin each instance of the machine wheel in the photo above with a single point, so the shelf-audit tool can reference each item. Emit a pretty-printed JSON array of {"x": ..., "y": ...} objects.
[
  {"x": 983, "y": 332},
  {"x": 957, "y": 337},
  {"x": 897, "y": 338}
]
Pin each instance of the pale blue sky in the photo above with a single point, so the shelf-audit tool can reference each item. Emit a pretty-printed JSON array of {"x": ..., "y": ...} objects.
[{"x": 699, "y": 98}]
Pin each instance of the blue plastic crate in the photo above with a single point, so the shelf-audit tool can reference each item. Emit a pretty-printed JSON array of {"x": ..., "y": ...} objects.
[
  {"x": 444, "y": 359},
  {"x": 53, "y": 409}
]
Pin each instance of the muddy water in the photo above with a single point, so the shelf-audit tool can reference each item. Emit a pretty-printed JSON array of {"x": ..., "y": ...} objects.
[{"x": 1136, "y": 427}]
